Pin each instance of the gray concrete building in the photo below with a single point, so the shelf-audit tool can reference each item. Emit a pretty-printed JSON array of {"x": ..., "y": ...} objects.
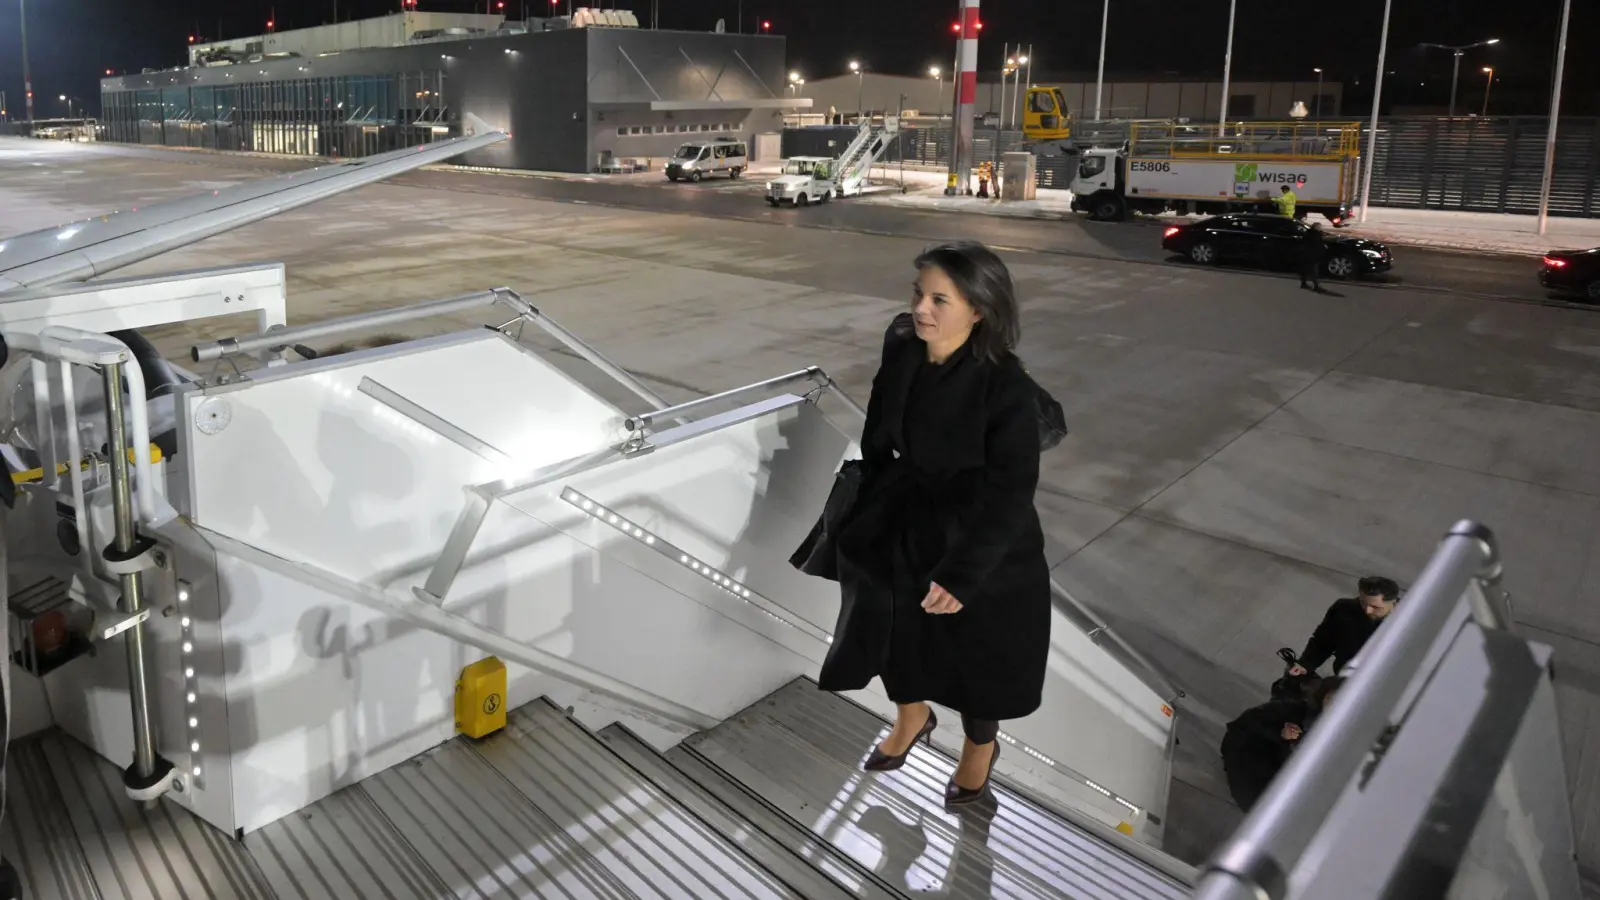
[{"x": 571, "y": 97}]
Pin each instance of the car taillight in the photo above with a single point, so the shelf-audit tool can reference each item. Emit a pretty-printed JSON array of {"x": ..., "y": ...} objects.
[
  {"x": 1337, "y": 220},
  {"x": 1555, "y": 263},
  {"x": 1172, "y": 231}
]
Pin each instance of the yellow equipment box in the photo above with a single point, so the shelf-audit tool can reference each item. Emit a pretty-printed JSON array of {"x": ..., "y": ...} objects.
[{"x": 481, "y": 698}]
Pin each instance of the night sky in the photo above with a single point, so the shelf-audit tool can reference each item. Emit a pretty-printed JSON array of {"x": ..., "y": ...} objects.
[{"x": 72, "y": 42}]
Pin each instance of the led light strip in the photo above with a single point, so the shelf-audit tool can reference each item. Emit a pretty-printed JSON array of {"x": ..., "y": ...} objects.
[
  {"x": 723, "y": 582},
  {"x": 732, "y": 586},
  {"x": 191, "y": 685}
]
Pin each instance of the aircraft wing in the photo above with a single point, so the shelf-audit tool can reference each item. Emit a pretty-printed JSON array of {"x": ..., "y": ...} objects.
[{"x": 83, "y": 250}]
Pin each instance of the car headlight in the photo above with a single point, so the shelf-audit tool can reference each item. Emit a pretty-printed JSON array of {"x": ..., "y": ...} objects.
[{"x": 1375, "y": 254}]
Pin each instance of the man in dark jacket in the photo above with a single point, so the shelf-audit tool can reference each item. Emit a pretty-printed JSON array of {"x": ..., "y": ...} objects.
[
  {"x": 1347, "y": 625},
  {"x": 1311, "y": 250}
]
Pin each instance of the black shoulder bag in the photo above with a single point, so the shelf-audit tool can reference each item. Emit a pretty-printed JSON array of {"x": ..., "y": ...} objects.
[{"x": 818, "y": 554}]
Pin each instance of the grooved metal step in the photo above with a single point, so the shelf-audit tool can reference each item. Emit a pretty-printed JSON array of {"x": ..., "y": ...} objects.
[
  {"x": 801, "y": 750},
  {"x": 124, "y": 850},
  {"x": 797, "y": 858},
  {"x": 36, "y": 836},
  {"x": 340, "y": 846},
  {"x": 644, "y": 839}
]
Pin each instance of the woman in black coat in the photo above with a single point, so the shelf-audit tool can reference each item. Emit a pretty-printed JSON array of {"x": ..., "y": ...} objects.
[{"x": 945, "y": 592}]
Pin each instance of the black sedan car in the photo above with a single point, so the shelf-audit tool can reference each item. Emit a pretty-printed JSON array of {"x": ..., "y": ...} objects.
[
  {"x": 1273, "y": 242},
  {"x": 1573, "y": 272}
]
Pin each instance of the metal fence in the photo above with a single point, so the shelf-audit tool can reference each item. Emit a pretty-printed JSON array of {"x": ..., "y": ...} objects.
[
  {"x": 1469, "y": 164},
  {"x": 1487, "y": 165}
]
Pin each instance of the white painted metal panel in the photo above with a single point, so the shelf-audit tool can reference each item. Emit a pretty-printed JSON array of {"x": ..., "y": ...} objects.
[
  {"x": 143, "y": 302},
  {"x": 1226, "y": 179}
]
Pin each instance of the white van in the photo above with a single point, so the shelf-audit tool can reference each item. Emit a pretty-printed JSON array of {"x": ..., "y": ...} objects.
[{"x": 718, "y": 156}]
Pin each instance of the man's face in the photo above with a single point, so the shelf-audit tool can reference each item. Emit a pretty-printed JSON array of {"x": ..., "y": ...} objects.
[{"x": 1375, "y": 606}]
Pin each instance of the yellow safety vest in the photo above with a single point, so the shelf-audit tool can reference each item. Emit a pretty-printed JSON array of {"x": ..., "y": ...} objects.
[{"x": 1286, "y": 204}]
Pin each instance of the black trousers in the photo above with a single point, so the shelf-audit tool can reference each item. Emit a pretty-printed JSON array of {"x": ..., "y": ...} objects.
[
  {"x": 1311, "y": 271},
  {"x": 980, "y": 731}
]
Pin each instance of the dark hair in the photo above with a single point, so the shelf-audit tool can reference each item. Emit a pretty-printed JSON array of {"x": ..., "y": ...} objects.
[
  {"x": 1376, "y": 585},
  {"x": 1325, "y": 689},
  {"x": 985, "y": 282}
]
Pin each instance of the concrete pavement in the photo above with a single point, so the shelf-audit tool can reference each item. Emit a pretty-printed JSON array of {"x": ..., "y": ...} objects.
[{"x": 1241, "y": 452}]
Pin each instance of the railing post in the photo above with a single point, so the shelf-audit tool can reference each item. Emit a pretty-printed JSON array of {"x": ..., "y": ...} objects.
[{"x": 146, "y": 777}]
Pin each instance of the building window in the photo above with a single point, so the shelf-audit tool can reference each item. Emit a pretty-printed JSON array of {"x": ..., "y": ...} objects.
[{"x": 622, "y": 131}]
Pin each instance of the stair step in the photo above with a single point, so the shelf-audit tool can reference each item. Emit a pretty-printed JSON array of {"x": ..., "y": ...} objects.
[
  {"x": 478, "y": 835},
  {"x": 789, "y": 853},
  {"x": 134, "y": 852},
  {"x": 861, "y": 880},
  {"x": 801, "y": 750},
  {"x": 36, "y": 834},
  {"x": 340, "y": 846},
  {"x": 635, "y": 830}
]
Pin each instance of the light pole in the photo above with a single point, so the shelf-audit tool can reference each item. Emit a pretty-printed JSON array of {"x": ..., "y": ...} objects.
[
  {"x": 1488, "y": 85},
  {"x": 938, "y": 74},
  {"x": 1555, "y": 112},
  {"x": 795, "y": 81},
  {"x": 861, "y": 86},
  {"x": 68, "y": 101},
  {"x": 27, "y": 73},
  {"x": 1227, "y": 68},
  {"x": 1317, "y": 102},
  {"x": 1377, "y": 96},
  {"x": 1455, "y": 71},
  {"x": 1100, "y": 77},
  {"x": 1016, "y": 90}
]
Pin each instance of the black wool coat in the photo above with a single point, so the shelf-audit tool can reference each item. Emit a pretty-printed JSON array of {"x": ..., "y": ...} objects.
[{"x": 951, "y": 458}]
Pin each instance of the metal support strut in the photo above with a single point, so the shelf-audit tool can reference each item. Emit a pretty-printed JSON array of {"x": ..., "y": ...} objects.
[{"x": 146, "y": 777}]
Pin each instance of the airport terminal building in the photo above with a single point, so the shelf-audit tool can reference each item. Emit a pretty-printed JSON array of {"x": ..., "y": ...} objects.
[{"x": 574, "y": 92}]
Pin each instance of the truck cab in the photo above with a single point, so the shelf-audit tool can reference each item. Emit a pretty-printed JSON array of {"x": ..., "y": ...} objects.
[
  {"x": 1045, "y": 116},
  {"x": 804, "y": 179}
]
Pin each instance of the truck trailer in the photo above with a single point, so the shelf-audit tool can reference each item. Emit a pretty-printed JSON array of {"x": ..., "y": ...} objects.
[{"x": 1179, "y": 169}]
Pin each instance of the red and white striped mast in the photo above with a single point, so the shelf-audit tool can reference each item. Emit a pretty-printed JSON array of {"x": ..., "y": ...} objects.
[{"x": 966, "y": 78}]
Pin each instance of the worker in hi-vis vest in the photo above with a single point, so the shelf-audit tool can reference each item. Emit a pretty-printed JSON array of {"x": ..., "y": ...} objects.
[{"x": 1286, "y": 202}]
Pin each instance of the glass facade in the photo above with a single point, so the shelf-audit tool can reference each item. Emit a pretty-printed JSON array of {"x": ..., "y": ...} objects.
[{"x": 347, "y": 115}]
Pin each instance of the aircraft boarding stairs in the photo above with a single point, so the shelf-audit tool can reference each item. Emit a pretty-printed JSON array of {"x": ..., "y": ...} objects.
[
  {"x": 865, "y": 151},
  {"x": 353, "y": 531},
  {"x": 334, "y": 540}
]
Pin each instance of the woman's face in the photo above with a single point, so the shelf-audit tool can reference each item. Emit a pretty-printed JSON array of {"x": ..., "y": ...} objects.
[{"x": 941, "y": 312}]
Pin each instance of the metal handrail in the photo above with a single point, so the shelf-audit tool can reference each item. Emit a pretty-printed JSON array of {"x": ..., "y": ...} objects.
[
  {"x": 283, "y": 337},
  {"x": 465, "y": 630},
  {"x": 1257, "y": 861},
  {"x": 88, "y": 348},
  {"x": 645, "y": 421}
]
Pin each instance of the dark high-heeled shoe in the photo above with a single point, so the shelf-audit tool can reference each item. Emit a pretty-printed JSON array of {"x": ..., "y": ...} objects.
[
  {"x": 956, "y": 795},
  {"x": 880, "y": 761}
]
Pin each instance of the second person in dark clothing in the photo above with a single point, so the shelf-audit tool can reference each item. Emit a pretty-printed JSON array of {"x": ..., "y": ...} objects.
[
  {"x": 1259, "y": 742},
  {"x": 1311, "y": 253},
  {"x": 1348, "y": 624},
  {"x": 945, "y": 592}
]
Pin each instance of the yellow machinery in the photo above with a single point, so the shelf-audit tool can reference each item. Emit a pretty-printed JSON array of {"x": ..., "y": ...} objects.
[
  {"x": 1045, "y": 116},
  {"x": 481, "y": 698}
]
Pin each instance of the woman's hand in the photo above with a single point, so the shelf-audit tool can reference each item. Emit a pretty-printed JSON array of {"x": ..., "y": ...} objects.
[
  {"x": 940, "y": 601},
  {"x": 1291, "y": 731}
]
